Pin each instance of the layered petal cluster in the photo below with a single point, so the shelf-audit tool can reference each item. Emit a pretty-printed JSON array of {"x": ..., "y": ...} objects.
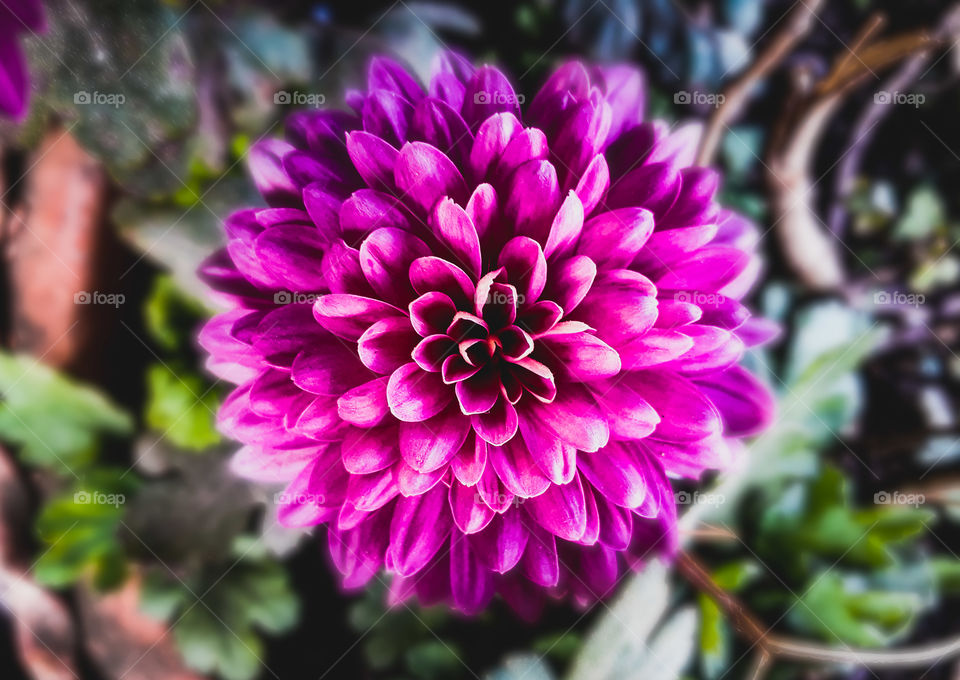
[
  {"x": 477, "y": 343},
  {"x": 16, "y": 17}
]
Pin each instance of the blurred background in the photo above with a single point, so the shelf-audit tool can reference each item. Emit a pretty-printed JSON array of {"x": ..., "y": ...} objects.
[{"x": 128, "y": 551}]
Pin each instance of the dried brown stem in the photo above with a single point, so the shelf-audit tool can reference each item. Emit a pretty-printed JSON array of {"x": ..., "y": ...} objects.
[
  {"x": 796, "y": 25},
  {"x": 782, "y": 647}
]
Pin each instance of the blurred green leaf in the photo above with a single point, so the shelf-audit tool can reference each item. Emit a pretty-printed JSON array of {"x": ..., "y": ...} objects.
[
  {"x": 838, "y": 612},
  {"x": 171, "y": 316},
  {"x": 249, "y": 594},
  {"x": 56, "y": 421},
  {"x": 80, "y": 529},
  {"x": 817, "y": 520},
  {"x": 923, "y": 214},
  {"x": 182, "y": 406}
]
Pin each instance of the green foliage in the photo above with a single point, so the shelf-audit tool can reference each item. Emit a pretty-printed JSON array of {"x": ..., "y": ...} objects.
[
  {"x": 816, "y": 521},
  {"x": 170, "y": 315},
  {"x": 391, "y": 636},
  {"x": 842, "y": 611},
  {"x": 716, "y": 636},
  {"x": 56, "y": 421},
  {"x": 182, "y": 406},
  {"x": 81, "y": 531},
  {"x": 219, "y": 613}
]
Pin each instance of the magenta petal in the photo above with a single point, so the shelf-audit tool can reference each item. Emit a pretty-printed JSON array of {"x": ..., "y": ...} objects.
[
  {"x": 349, "y": 316},
  {"x": 419, "y": 527},
  {"x": 456, "y": 232},
  {"x": 431, "y": 313},
  {"x": 264, "y": 465},
  {"x": 517, "y": 470},
  {"x": 565, "y": 229},
  {"x": 367, "y": 210},
  {"x": 653, "y": 348},
  {"x": 708, "y": 269},
  {"x": 686, "y": 414},
  {"x": 471, "y": 583},
  {"x": 557, "y": 460},
  {"x": 425, "y": 175},
  {"x": 342, "y": 272},
  {"x": 470, "y": 513},
  {"x": 492, "y": 138},
  {"x": 612, "y": 239},
  {"x": 488, "y": 92},
  {"x": 570, "y": 281},
  {"x": 372, "y": 491},
  {"x": 616, "y": 523},
  {"x": 581, "y": 357},
  {"x": 573, "y": 416},
  {"x": 617, "y": 472},
  {"x": 415, "y": 395},
  {"x": 265, "y": 162},
  {"x": 385, "y": 258},
  {"x": 431, "y": 353},
  {"x": 630, "y": 417},
  {"x": 528, "y": 145},
  {"x": 526, "y": 268},
  {"x": 500, "y": 545},
  {"x": 328, "y": 368},
  {"x": 413, "y": 483},
  {"x": 437, "y": 123},
  {"x": 540, "y": 560},
  {"x": 468, "y": 465},
  {"x": 387, "y": 115},
  {"x": 373, "y": 158},
  {"x": 386, "y": 345},
  {"x": 387, "y": 74},
  {"x": 364, "y": 405},
  {"x": 291, "y": 255},
  {"x": 430, "y": 444},
  {"x": 534, "y": 199},
  {"x": 498, "y": 425},
  {"x": 478, "y": 392},
  {"x": 745, "y": 404},
  {"x": 482, "y": 208},
  {"x": 593, "y": 184},
  {"x": 436, "y": 274},
  {"x": 561, "y": 510},
  {"x": 369, "y": 450}
]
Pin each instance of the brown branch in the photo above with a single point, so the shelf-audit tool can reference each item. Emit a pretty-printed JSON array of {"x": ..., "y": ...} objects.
[
  {"x": 782, "y": 647},
  {"x": 811, "y": 252},
  {"x": 735, "y": 95}
]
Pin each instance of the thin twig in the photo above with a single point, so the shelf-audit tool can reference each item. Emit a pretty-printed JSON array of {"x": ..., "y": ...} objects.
[
  {"x": 781, "y": 647},
  {"x": 736, "y": 94}
]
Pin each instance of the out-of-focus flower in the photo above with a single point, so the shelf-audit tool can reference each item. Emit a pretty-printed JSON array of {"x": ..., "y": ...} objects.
[
  {"x": 16, "y": 17},
  {"x": 477, "y": 344}
]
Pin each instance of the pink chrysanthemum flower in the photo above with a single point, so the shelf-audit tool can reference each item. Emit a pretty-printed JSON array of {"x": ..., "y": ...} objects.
[
  {"x": 477, "y": 344},
  {"x": 16, "y": 17}
]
